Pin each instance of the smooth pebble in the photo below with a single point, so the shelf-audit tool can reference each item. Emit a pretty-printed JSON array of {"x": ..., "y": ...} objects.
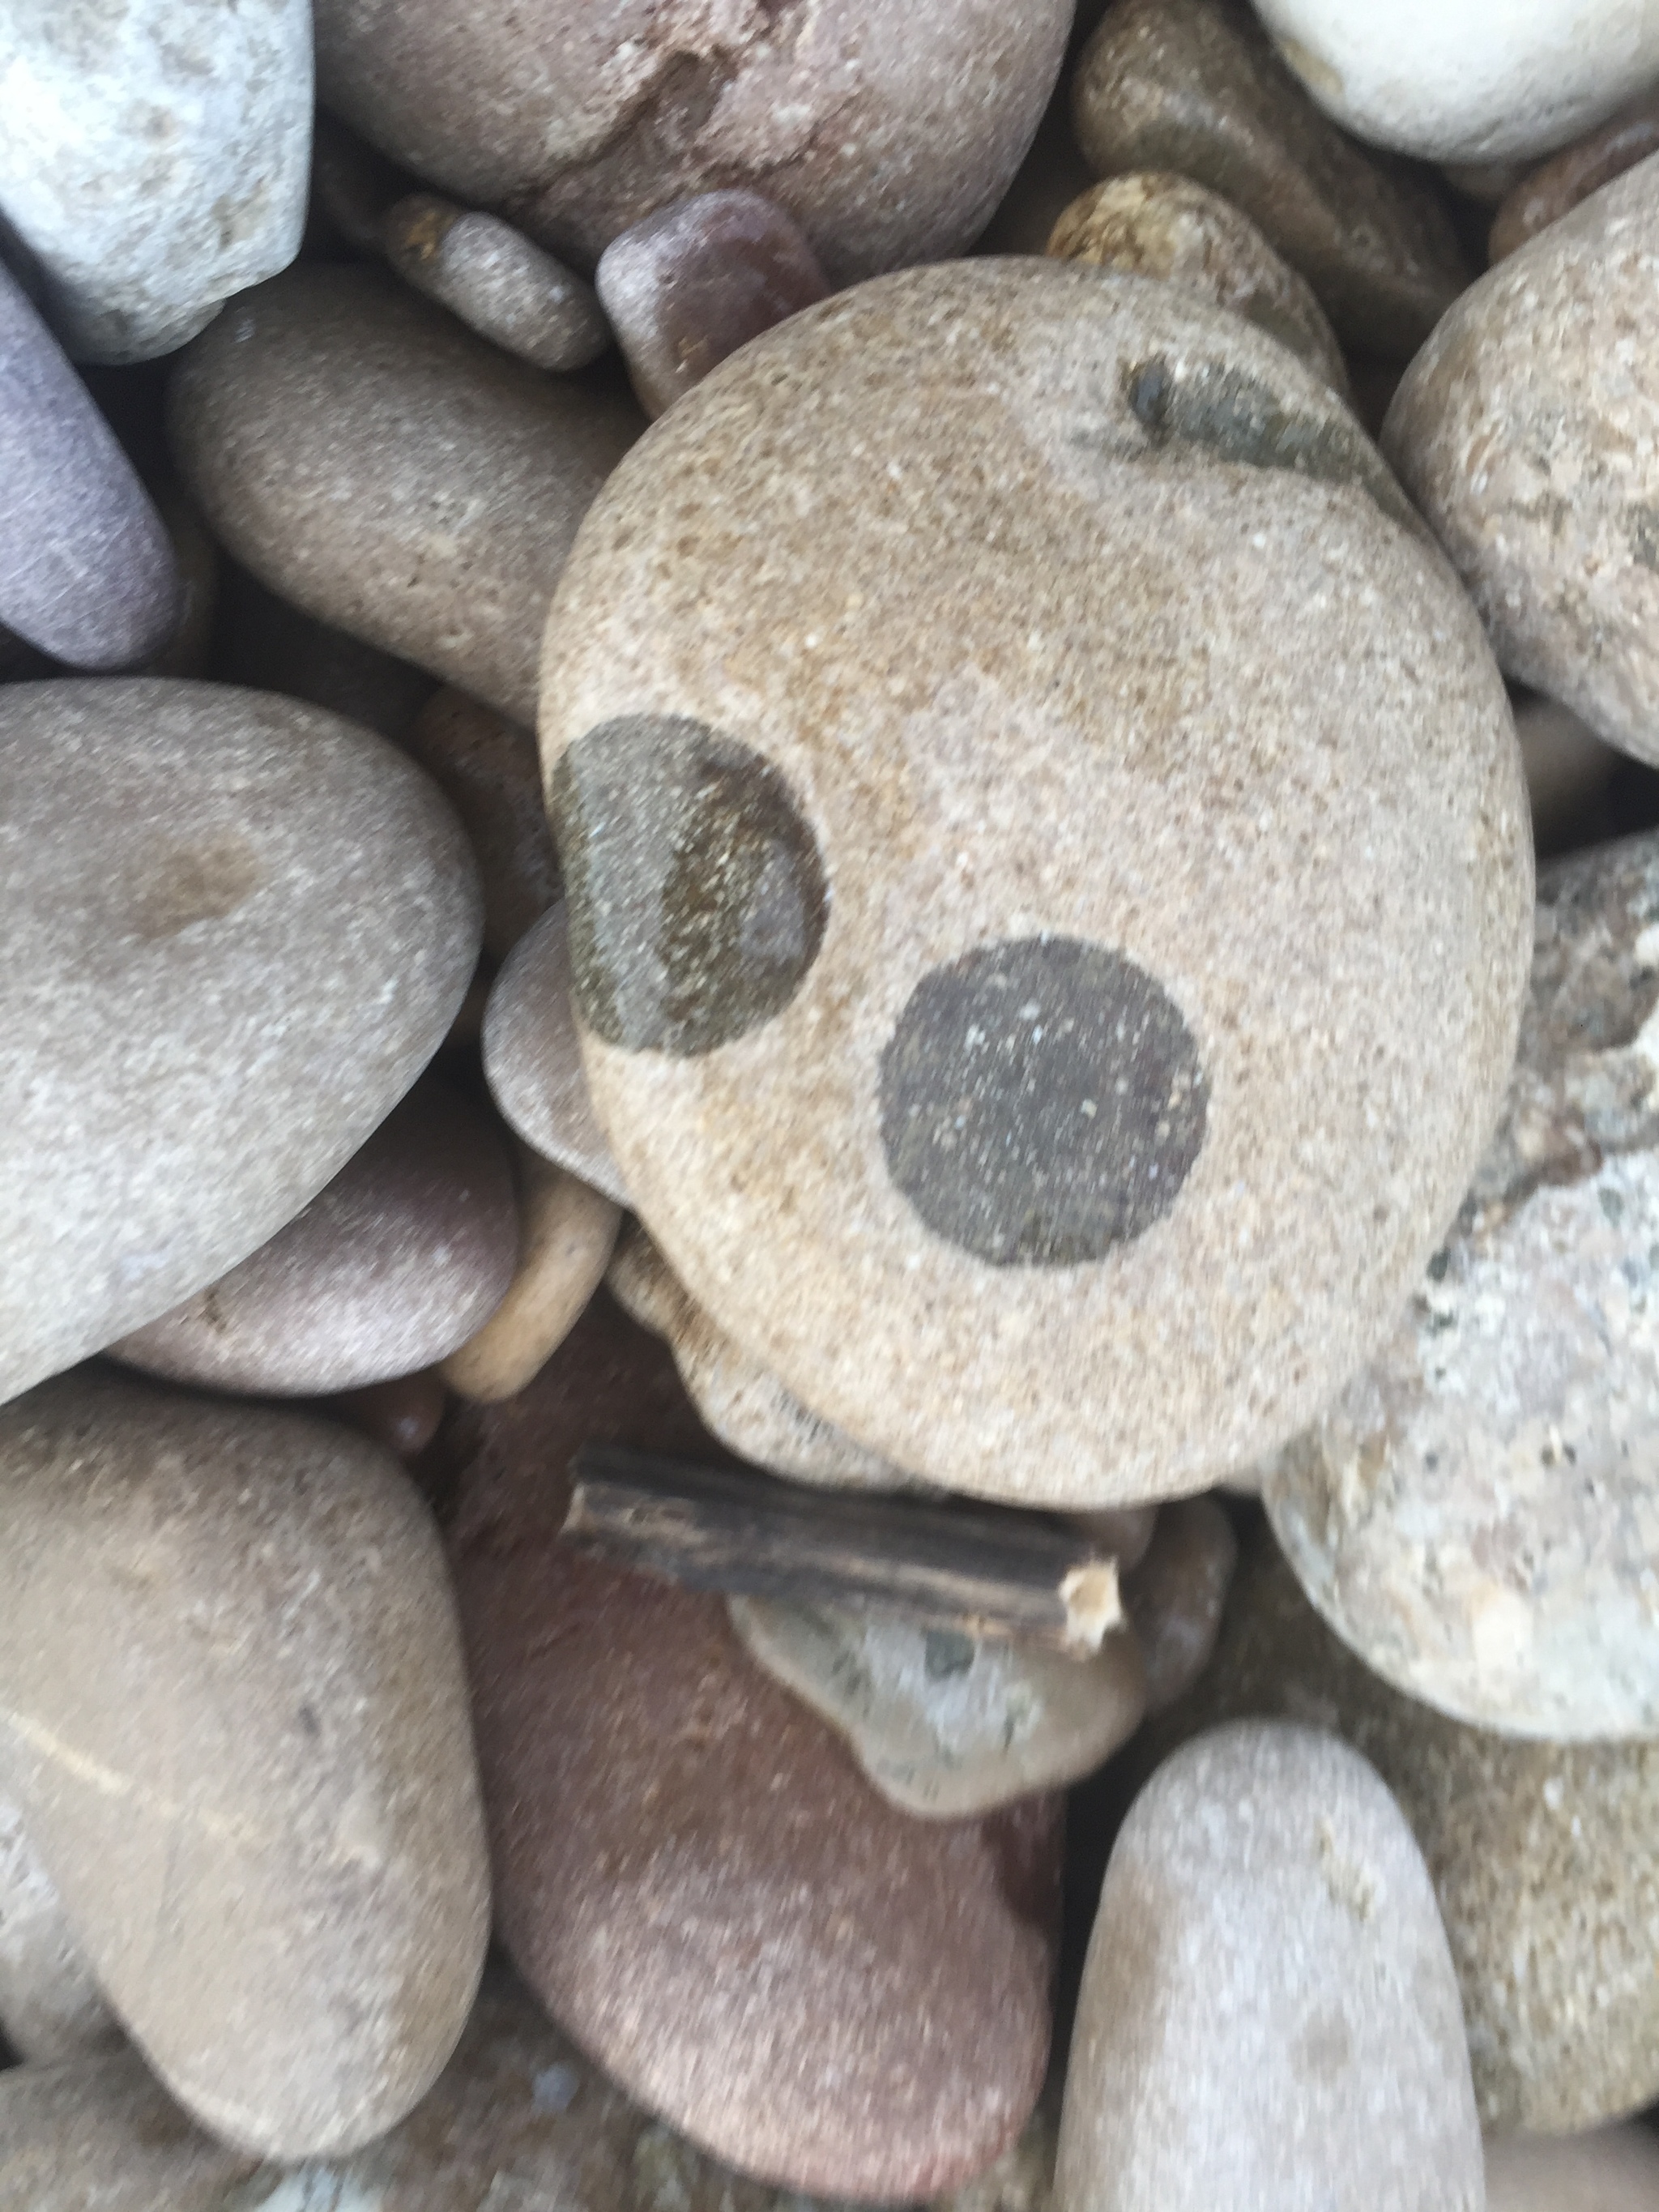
[
  {"x": 500, "y": 284},
  {"x": 533, "y": 1057}
]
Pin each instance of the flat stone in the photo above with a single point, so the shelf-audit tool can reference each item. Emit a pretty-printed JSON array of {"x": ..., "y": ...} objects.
[
  {"x": 499, "y": 282},
  {"x": 1612, "y": 2170},
  {"x": 1543, "y": 196},
  {"x": 50, "y": 2004},
  {"x": 1524, "y": 430},
  {"x": 532, "y": 1058},
  {"x": 235, "y": 1723},
  {"x": 1158, "y": 225},
  {"x": 744, "y": 1404},
  {"x": 1174, "y": 1595},
  {"x": 487, "y": 768},
  {"x": 691, "y": 1871},
  {"x": 154, "y": 158},
  {"x": 1541, "y": 1855},
  {"x": 393, "y": 1265},
  {"x": 687, "y": 286},
  {"x": 87, "y": 567},
  {"x": 377, "y": 465},
  {"x": 567, "y": 1234},
  {"x": 856, "y": 1025},
  {"x": 886, "y": 147},
  {"x": 236, "y": 929},
  {"x": 1477, "y": 82},
  {"x": 1269, "y": 2014},
  {"x": 1195, "y": 86},
  {"x": 270, "y": 645},
  {"x": 947, "y": 1725}
]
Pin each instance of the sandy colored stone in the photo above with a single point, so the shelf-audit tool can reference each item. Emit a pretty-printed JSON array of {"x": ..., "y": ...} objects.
[
  {"x": 234, "y": 1720},
  {"x": 1527, "y": 432},
  {"x": 390, "y": 473},
  {"x": 1269, "y": 2014},
  {"x": 532, "y": 1058},
  {"x": 49, "y": 2005},
  {"x": 1541, "y": 1855},
  {"x": 1174, "y": 1595},
  {"x": 855, "y": 1004},
  {"x": 1476, "y": 1513},
  {"x": 1545, "y": 195},
  {"x": 487, "y": 768},
  {"x": 1612, "y": 2170},
  {"x": 154, "y": 159},
  {"x": 1195, "y": 86},
  {"x": 1568, "y": 772},
  {"x": 943, "y": 1724},
  {"x": 1156, "y": 224},
  {"x": 691, "y": 1871},
  {"x": 743, "y": 1403},
  {"x": 499, "y": 282},
  {"x": 566, "y": 1239},
  {"x": 887, "y": 146},
  {"x": 393, "y": 1265},
  {"x": 235, "y": 929}
]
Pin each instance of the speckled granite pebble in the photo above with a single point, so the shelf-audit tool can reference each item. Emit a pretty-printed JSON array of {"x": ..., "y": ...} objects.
[
  {"x": 502, "y": 285},
  {"x": 1612, "y": 2170},
  {"x": 50, "y": 2004},
  {"x": 533, "y": 1057},
  {"x": 856, "y": 1008}
]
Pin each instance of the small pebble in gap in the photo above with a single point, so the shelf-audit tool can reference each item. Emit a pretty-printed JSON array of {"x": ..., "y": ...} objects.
[
  {"x": 236, "y": 1726},
  {"x": 500, "y": 284},
  {"x": 565, "y": 1244},
  {"x": 326, "y": 420},
  {"x": 1568, "y": 772},
  {"x": 1268, "y": 2016},
  {"x": 488, "y": 769},
  {"x": 1612, "y": 2170},
  {"x": 393, "y": 1265},
  {"x": 1195, "y": 86},
  {"x": 1155, "y": 224},
  {"x": 154, "y": 158},
  {"x": 403, "y": 1413},
  {"x": 532, "y": 1058},
  {"x": 270, "y": 645},
  {"x": 1527, "y": 430},
  {"x": 50, "y": 2004},
  {"x": 694, "y": 282},
  {"x": 1548, "y": 193},
  {"x": 87, "y": 572},
  {"x": 1175, "y": 1595}
]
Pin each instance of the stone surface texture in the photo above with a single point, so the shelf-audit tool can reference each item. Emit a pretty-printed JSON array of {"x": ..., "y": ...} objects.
[
  {"x": 1268, "y": 2014},
  {"x": 487, "y": 768},
  {"x": 887, "y": 147},
  {"x": 236, "y": 928},
  {"x": 1175, "y": 1595},
  {"x": 1475, "y": 1513},
  {"x": 235, "y": 1721},
  {"x": 533, "y": 1057},
  {"x": 811, "y": 915},
  {"x": 1544, "y": 195},
  {"x": 153, "y": 157},
  {"x": 1612, "y": 2170},
  {"x": 389, "y": 472},
  {"x": 49, "y": 2005},
  {"x": 1526, "y": 431},
  {"x": 499, "y": 282}
]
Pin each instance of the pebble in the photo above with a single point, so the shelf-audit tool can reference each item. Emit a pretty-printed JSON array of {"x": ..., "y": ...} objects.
[
  {"x": 567, "y": 1235},
  {"x": 1545, "y": 195},
  {"x": 235, "y": 1724},
  {"x": 403, "y": 1414},
  {"x": 49, "y": 2005},
  {"x": 1165, "y": 226},
  {"x": 754, "y": 687},
  {"x": 691, "y": 1872},
  {"x": 1174, "y": 1595},
  {"x": 154, "y": 158},
  {"x": 236, "y": 929},
  {"x": 1525, "y": 432},
  {"x": 270, "y": 645},
  {"x": 1195, "y": 86},
  {"x": 1569, "y": 771},
  {"x": 500, "y": 284},
  {"x": 394, "y": 1264},
  {"x": 87, "y": 567},
  {"x": 1268, "y": 2014},
  {"x": 1612, "y": 2170},
  {"x": 487, "y": 768},
  {"x": 887, "y": 147},
  {"x": 1481, "y": 81},
  {"x": 948, "y": 1725},
  {"x": 689, "y": 285},
  {"x": 1541, "y": 1855},
  {"x": 377, "y": 465},
  {"x": 532, "y": 1058}
]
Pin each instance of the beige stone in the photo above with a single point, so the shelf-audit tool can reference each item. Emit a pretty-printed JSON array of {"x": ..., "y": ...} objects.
[
  {"x": 391, "y": 474},
  {"x": 855, "y": 1002},
  {"x": 487, "y": 768},
  {"x": 500, "y": 284},
  {"x": 236, "y": 928},
  {"x": 1612, "y": 2170},
  {"x": 1525, "y": 430},
  {"x": 235, "y": 1721},
  {"x": 532, "y": 1058},
  {"x": 49, "y": 2005},
  {"x": 1175, "y": 1595}
]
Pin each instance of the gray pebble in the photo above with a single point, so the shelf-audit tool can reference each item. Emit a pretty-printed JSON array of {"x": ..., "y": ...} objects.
[{"x": 501, "y": 285}]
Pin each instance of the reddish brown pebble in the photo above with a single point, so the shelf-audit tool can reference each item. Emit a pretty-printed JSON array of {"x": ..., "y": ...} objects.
[
  {"x": 1555, "y": 190},
  {"x": 402, "y": 1414}
]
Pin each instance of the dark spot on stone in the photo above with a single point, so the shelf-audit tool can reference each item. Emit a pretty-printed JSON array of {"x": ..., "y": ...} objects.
[
  {"x": 1643, "y": 523},
  {"x": 945, "y": 1652},
  {"x": 1041, "y": 1100},
  {"x": 1237, "y": 418},
  {"x": 309, "y": 1724},
  {"x": 203, "y": 881},
  {"x": 1439, "y": 1266},
  {"x": 697, "y": 899}
]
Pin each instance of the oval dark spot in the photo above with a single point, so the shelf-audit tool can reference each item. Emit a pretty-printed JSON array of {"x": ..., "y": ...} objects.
[
  {"x": 697, "y": 899},
  {"x": 1041, "y": 1100}
]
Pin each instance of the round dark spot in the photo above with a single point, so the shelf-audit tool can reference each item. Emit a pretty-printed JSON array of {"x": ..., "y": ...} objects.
[
  {"x": 697, "y": 899},
  {"x": 1041, "y": 1101}
]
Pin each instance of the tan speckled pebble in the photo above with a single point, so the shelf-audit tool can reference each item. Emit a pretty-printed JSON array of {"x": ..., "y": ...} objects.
[
  {"x": 532, "y": 1058},
  {"x": 49, "y": 2005},
  {"x": 1612, "y": 2170},
  {"x": 1065, "y": 1135},
  {"x": 487, "y": 768},
  {"x": 373, "y": 461},
  {"x": 235, "y": 1721}
]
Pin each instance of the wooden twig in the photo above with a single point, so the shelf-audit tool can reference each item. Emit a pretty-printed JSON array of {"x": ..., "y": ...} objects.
[{"x": 984, "y": 1569}]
